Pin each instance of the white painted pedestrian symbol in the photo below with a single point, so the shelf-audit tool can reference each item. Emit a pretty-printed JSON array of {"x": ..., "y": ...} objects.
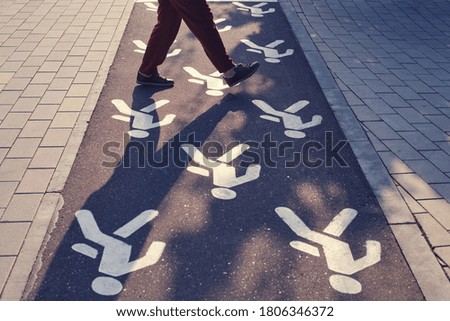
[
  {"x": 270, "y": 52},
  {"x": 150, "y": 5},
  {"x": 142, "y": 120},
  {"x": 293, "y": 123},
  {"x": 141, "y": 47},
  {"x": 224, "y": 174},
  {"x": 255, "y": 10},
  {"x": 338, "y": 254},
  {"x": 214, "y": 82},
  {"x": 224, "y": 29},
  {"x": 116, "y": 254}
]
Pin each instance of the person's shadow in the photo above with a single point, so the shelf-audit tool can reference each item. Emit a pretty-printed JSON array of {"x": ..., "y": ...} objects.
[{"x": 141, "y": 180}]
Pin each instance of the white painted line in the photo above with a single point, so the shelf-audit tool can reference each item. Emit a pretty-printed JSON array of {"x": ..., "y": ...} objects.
[
  {"x": 136, "y": 223},
  {"x": 340, "y": 222}
]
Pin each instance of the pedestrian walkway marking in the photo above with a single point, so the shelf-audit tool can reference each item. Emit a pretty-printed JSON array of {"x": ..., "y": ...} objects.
[
  {"x": 337, "y": 253},
  {"x": 142, "y": 47},
  {"x": 271, "y": 1},
  {"x": 270, "y": 52},
  {"x": 116, "y": 254},
  {"x": 293, "y": 123},
  {"x": 255, "y": 10},
  {"x": 224, "y": 174},
  {"x": 214, "y": 82},
  {"x": 142, "y": 120},
  {"x": 223, "y": 29}
]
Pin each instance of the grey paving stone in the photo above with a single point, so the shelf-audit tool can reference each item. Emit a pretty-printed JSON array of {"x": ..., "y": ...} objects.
[
  {"x": 12, "y": 236},
  {"x": 363, "y": 113},
  {"x": 393, "y": 100},
  {"x": 416, "y": 187},
  {"x": 22, "y": 207},
  {"x": 424, "y": 107},
  {"x": 412, "y": 204},
  {"x": 56, "y": 137},
  {"x": 85, "y": 78},
  {"x": 379, "y": 106},
  {"x": 7, "y": 190},
  {"x": 4, "y": 110},
  {"x": 3, "y": 152},
  {"x": 53, "y": 97},
  {"x": 418, "y": 140},
  {"x": 427, "y": 171},
  {"x": 394, "y": 164},
  {"x": 402, "y": 149},
  {"x": 5, "y": 77},
  {"x": 44, "y": 112},
  {"x": 17, "y": 84},
  {"x": 432, "y": 80},
  {"x": 412, "y": 115},
  {"x": 43, "y": 78},
  {"x": 381, "y": 130},
  {"x": 438, "y": 158},
  {"x": 376, "y": 143},
  {"x": 443, "y": 91},
  {"x": 404, "y": 74},
  {"x": 436, "y": 100},
  {"x": 397, "y": 123},
  {"x": 15, "y": 120},
  {"x": 406, "y": 92},
  {"x": 25, "y": 104},
  {"x": 26, "y": 72},
  {"x": 365, "y": 74},
  {"x": 436, "y": 234},
  {"x": 432, "y": 132},
  {"x": 415, "y": 68},
  {"x": 351, "y": 98},
  {"x": 442, "y": 121},
  {"x": 35, "y": 129},
  {"x": 35, "y": 181},
  {"x": 12, "y": 169},
  {"x": 439, "y": 209},
  {"x": 61, "y": 84},
  {"x": 445, "y": 146},
  {"x": 24, "y": 148},
  {"x": 9, "y": 97},
  {"x": 8, "y": 136},
  {"x": 426, "y": 269},
  {"x": 443, "y": 189},
  {"x": 349, "y": 78},
  {"x": 6, "y": 265},
  {"x": 419, "y": 86},
  {"x": 378, "y": 86},
  {"x": 46, "y": 157},
  {"x": 64, "y": 120},
  {"x": 444, "y": 254},
  {"x": 36, "y": 90}
]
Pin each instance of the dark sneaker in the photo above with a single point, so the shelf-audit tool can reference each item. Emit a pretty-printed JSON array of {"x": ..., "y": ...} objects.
[
  {"x": 154, "y": 80},
  {"x": 242, "y": 72}
]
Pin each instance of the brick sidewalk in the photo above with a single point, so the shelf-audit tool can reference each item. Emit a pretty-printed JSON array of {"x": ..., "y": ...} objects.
[
  {"x": 54, "y": 58},
  {"x": 391, "y": 62}
]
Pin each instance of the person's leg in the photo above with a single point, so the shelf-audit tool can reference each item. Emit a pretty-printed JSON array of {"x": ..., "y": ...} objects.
[
  {"x": 198, "y": 17},
  {"x": 162, "y": 37}
]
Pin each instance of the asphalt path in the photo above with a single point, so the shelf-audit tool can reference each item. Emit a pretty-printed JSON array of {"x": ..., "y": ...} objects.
[{"x": 291, "y": 217}]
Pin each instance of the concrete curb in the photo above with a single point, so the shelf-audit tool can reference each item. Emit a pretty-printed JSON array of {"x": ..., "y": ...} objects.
[{"x": 422, "y": 262}]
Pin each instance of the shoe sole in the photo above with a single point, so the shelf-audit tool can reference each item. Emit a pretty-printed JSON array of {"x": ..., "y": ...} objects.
[
  {"x": 246, "y": 77},
  {"x": 153, "y": 84}
]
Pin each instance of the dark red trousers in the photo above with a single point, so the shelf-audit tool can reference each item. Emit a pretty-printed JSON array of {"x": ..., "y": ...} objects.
[{"x": 198, "y": 17}]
